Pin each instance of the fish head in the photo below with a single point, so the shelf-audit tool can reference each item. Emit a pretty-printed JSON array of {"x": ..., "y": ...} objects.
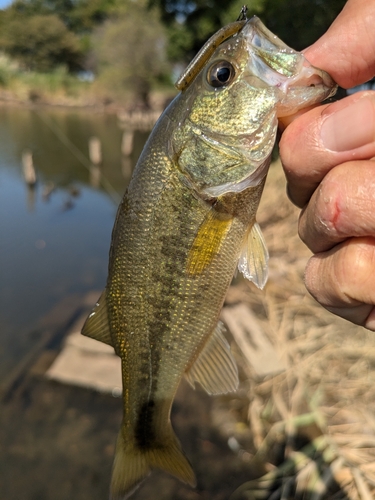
[{"x": 232, "y": 103}]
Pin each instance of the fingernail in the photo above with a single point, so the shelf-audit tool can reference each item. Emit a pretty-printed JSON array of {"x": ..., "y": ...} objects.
[{"x": 349, "y": 124}]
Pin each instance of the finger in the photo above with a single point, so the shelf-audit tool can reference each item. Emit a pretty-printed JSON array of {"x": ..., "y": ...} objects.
[
  {"x": 342, "y": 206},
  {"x": 347, "y": 50},
  {"x": 325, "y": 137},
  {"x": 342, "y": 280}
]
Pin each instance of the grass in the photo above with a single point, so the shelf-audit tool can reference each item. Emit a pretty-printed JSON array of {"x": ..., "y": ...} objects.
[
  {"x": 58, "y": 87},
  {"x": 312, "y": 426},
  {"x": 55, "y": 87}
]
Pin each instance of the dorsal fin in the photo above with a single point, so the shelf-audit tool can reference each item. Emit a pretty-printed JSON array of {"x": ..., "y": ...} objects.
[{"x": 96, "y": 325}]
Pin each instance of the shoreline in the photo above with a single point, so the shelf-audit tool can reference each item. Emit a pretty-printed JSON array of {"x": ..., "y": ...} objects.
[{"x": 158, "y": 101}]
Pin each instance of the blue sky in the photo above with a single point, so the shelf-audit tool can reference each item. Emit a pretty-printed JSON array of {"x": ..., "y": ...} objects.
[{"x": 4, "y": 3}]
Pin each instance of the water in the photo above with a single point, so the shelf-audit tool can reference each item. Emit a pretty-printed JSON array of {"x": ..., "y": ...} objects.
[
  {"x": 57, "y": 244},
  {"x": 57, "y": 441}
]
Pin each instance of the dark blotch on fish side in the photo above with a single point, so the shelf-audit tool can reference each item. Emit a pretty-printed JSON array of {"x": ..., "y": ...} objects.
[{"x": 144, "y": 430}]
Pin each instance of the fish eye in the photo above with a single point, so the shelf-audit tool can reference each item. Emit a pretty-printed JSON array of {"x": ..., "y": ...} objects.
[{"x": 220, "y": 74}]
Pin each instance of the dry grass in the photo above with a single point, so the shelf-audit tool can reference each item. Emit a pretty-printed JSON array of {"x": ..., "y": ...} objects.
[{"x": 312, "y": 426}]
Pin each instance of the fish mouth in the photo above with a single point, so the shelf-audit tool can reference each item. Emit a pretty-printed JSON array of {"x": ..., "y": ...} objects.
[
  {"x": 311, "y": 86},
  {"x": 299, "y": 84}
]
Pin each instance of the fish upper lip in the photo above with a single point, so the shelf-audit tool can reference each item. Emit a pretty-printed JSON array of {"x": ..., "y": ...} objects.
[
  {"x": 277, "y": 64},
  {"x": 307, "y": 76}
]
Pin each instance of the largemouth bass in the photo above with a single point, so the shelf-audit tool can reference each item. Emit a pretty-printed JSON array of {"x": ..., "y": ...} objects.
[{"x": 186, "y": 222}]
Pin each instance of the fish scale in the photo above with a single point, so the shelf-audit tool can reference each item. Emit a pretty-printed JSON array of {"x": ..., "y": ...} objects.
[{"x": 187, "y": 221}]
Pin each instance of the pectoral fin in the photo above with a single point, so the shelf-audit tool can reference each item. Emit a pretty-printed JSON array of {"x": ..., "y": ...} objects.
[
  {"x": 253, "y": 262},
  {"x": 207, "y": 242},
  {"x": 96, "y": 325},
  {"x": 215, "y": 369}
]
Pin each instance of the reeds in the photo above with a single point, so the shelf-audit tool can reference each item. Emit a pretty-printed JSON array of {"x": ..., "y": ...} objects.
[{"x": 312, "y": 425}]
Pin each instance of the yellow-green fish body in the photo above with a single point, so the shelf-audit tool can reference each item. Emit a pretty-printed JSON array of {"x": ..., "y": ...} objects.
[{"x": 185, "y": 223}]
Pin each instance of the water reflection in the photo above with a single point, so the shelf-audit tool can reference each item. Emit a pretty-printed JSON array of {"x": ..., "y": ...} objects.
[
  {"x": 95, "y": 176},
  {"x": 30, "y": 198},
  {"x": 55, "y": 233}
]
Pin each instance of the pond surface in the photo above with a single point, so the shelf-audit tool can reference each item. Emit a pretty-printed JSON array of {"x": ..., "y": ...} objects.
[{"x": 55, "y": 237}]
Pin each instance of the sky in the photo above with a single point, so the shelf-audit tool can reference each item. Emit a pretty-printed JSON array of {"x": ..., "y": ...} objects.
[{"x": 4, "y": 3}]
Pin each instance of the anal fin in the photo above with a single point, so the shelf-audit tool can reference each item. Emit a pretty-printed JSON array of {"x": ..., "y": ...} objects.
[
  {"x": 96, "y": 325},
  {"x": 253, "y": 261},
  {"x": 215, "y": 369}
]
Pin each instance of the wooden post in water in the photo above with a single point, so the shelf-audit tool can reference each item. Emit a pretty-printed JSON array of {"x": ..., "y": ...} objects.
[
  {"x": 28, "y": 168},
  {"x": 95, "y": 150},
  {"x": 95, "y": 153},
  {"x": 127, "y": 142}
]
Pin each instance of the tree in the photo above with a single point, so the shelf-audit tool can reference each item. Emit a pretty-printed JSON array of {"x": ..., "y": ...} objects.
[
  {"x": 79, "y": 16},
  {"x": 191, "y": 23},
  {"x": 87, "y": 14},
  {"x": 41, "y": 42},
  {"x": 130, "y": 53},
  {"x": 297, "y": 22}
]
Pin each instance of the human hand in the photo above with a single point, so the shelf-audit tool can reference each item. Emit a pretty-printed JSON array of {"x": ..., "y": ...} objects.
[{"x": 328, "y": 157}]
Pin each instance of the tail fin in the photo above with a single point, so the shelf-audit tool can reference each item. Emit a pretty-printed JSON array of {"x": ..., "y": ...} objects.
[{"x": 132, "y": 465}]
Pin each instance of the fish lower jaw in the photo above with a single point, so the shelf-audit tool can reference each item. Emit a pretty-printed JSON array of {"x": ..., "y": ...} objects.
[{"x": 293, "y": 101}]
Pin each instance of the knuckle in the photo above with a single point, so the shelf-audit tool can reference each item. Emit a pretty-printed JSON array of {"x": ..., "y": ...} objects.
[
  {"x": 328, "y": 205},
  {"x": 343, "y": 276},
  {"x": 320, "y": 222},
  {"x": 344, "y": 202},
  {"x": 357, "y": 268}
]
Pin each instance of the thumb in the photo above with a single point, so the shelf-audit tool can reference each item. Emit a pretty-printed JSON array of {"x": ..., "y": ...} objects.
[
  {"x": 347, "y": 50},
  {"x": 325, "y": 137}
]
